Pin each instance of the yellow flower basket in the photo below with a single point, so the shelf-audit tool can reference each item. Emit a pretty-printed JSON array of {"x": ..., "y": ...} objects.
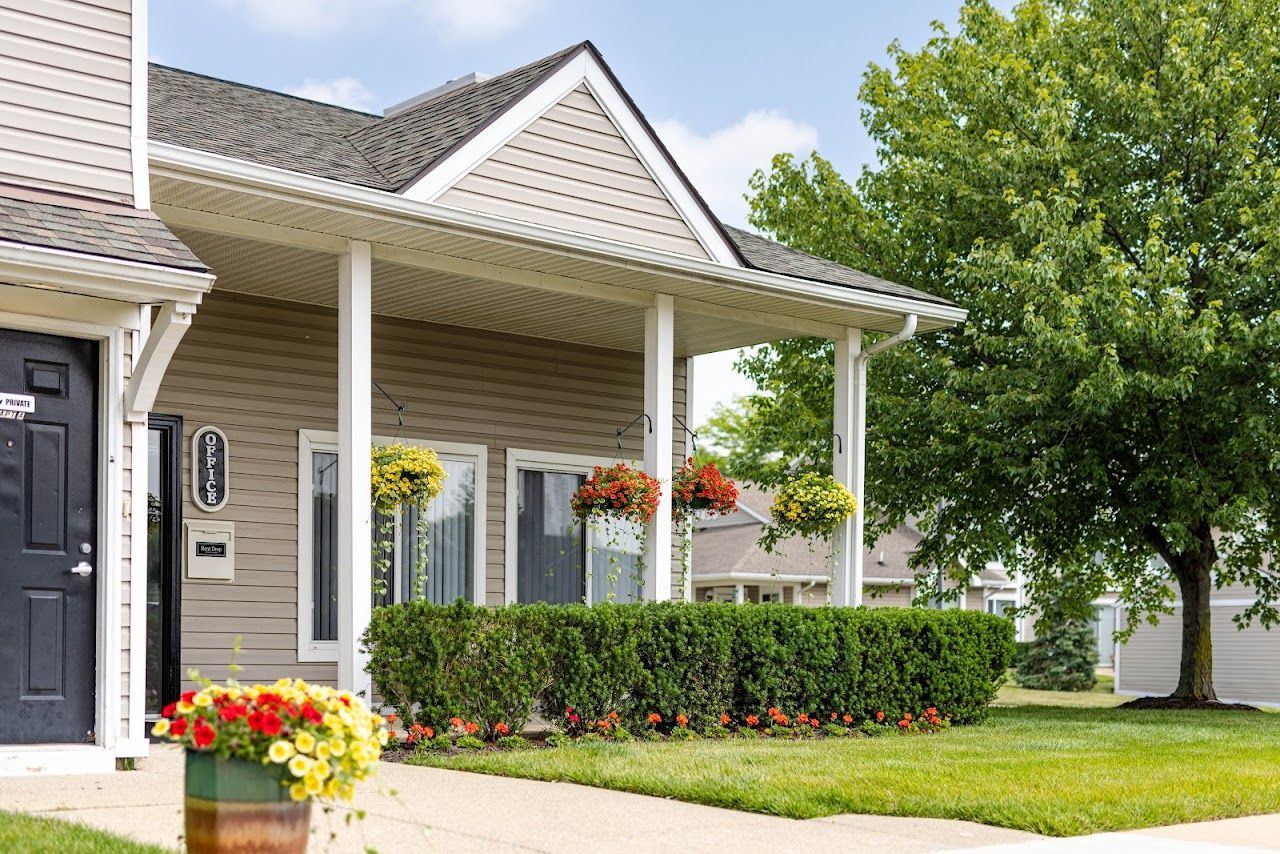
[
  {"x": 405, "y": 475},
  {"x": 810, "y": 506}
]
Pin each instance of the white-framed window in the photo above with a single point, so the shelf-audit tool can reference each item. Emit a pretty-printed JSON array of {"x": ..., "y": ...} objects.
[
  {"x": 1001, "y": 605},
  {"x": 454, "y": 550},
  {"x": 549, "y": 556}
]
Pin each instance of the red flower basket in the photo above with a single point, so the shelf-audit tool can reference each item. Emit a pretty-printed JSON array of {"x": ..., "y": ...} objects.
[
  {"x": 702, "y": 488},
  {"x": 618, "y": 491}
]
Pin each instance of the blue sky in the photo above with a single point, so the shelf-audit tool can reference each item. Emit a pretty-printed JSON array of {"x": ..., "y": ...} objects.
[{"x": 727, "y": 84}]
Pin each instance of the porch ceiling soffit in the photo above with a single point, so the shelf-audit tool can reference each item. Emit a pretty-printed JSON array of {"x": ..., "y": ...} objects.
[
  {"x": 434, "y": 238},
  {"x": 400, "y": 290}
]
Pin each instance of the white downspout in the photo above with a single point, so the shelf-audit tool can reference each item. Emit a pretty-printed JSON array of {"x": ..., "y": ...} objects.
[{"x": 858, "y": 439}]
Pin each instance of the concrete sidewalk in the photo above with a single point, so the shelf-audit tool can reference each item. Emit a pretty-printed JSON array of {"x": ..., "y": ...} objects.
[{"x": 417, "y": 809}]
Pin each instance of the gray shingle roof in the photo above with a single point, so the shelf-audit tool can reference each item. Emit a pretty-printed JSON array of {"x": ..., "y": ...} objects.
[
  {"x": 287, "y": 132},
  {"x": 729, "y": 544},
  {"x": 111, "y": 231},
  {"x": 403, "y": 145},
  {"x": 774, "y": 257},
  {"x": 260, "y": 126}
]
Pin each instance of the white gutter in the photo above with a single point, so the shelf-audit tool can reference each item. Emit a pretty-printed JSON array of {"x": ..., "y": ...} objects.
[
  {"x": 858, "y": 431},
  {"x": 233, "y": 173},
  {"x": 99, "y": 276}
]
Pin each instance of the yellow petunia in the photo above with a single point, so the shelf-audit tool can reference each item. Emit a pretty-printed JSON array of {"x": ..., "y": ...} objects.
[
  {"x": 321, "y": 769},
  {"x": 298, "y": 792},
  {"x": 280, "y": 751},
  {"x": 305, "y": 742},
  {"x": 313, "y": 784},
  {"x": 161, "y": 727},
  {"x": 337, "y": 746},
  {"x": 300, "y": 765},
  {"x": 202, "y": 699}
]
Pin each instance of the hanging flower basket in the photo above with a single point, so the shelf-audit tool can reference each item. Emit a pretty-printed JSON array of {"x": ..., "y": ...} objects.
[
  {"x": 620, "y": 492},
  {"x": 810, "y": 506},
  {"x": 702, "y": 488},
  {"x": 405, "y": 475},
  {"x": 258, "y": 756}
]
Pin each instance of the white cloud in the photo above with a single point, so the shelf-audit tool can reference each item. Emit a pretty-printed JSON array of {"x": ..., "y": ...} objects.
[
  {"x": 307, "y": 18},
  {"x": 343, "y": 91},
  {"x": 720, "y": 163},
  {"x": 481, "y": 19},
  {"x": 468, "y": 19}
]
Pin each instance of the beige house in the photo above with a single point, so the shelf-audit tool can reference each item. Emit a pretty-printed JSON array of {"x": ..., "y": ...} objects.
[
  {"x": 1246, "y": 663},
  {"x": 728, "y": 565},
  {"x": 511, "y": 270}
]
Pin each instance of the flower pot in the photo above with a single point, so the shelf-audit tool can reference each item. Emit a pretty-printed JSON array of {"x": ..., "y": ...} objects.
[{"x": 234, "y": 806}]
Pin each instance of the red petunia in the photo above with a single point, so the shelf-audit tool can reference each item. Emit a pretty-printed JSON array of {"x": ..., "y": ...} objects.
[
  {"x": 169, "y": 710},
  {"x": 271, "y": 723},
  {"x": 204, "y": 734},
  {"x": 188, "y": 696},
  {"x": 309, "y": 712},
  {"x": 233, "y": 712},
  {"x": 178, "y": 728}
]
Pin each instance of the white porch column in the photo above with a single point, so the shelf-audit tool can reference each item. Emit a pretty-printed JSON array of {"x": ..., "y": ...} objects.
[
  {"x": 739, "y": 594},
  {"x": 848, "y": 458},
  {"x": 659, "y": 364},
  {"x": 355, "y": 436}
]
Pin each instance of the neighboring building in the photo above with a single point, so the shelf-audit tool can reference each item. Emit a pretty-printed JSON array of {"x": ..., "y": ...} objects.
[
  {"x": 728, "y": 565},
  {"x": 515, "y": 260},
  {"x": 1246, "y": 663}
]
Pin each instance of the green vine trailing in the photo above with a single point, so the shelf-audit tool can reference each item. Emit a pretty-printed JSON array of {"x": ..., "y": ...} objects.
[
  {"x": 403, "y": 476},
  {"x": 618, "y": 494},
  {"x": 698, "y": 489},
  {"x": 811, "y": 506}
]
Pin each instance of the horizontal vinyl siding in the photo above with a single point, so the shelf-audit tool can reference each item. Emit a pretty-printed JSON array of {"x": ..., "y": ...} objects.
[
  {"x": 887, "y": 596},
  {"x": 64, "y": 92},
  {"x": 572, "y": 169},
  {"x": 1246, "y": 664},
  {"x": 262, "y": 370}
]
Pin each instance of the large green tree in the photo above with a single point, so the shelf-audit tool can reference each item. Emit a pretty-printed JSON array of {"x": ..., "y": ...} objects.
[{"x": 1098, "y": 182}]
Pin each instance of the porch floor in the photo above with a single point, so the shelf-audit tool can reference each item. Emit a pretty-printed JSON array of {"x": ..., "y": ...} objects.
[{"x": 413, "y": 808}]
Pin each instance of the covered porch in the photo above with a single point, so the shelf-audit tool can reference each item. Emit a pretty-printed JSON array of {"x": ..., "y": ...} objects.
[{"x": 514, "y": 347}]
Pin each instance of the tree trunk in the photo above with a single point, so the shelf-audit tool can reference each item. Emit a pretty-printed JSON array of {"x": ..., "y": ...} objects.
[{"x": 1195, "y": 676}]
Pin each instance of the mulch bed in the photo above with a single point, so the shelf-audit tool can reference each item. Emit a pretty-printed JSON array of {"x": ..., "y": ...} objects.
[{"x": 1181, "y": 703}]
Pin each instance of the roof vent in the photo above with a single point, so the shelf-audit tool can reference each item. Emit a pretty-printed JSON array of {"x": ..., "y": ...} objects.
[{"x": 432, "y": 94}]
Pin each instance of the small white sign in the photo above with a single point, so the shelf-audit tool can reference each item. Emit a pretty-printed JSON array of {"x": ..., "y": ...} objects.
[{"x": 24, "y": 403}]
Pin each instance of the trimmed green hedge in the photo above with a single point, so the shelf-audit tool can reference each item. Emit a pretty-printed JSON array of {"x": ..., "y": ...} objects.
[{"x": 498, "y": 664}]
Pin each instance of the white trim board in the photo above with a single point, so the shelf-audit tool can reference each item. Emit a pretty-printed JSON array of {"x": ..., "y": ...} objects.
[
  {"x": 310, "y": 441},
  {"x": 111, "y": 493},
  {"x": 91, "y": 275},
  {"x": 582, "y": 69},
  {"x": 336, "y": 196}
]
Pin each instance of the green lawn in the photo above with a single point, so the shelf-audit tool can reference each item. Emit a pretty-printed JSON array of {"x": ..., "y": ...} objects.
[
  {"x": 38, "y": 835},
  {"x": 1101, "y": 697},
  {"x": 1052, "y": 770}
]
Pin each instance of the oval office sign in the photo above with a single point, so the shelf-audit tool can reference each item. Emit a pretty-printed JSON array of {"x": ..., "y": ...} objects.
[{"x": 209, "y": 482}]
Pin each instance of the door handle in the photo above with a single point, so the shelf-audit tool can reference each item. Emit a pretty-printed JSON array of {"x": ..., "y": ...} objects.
[{"x": 81, "y": 569}]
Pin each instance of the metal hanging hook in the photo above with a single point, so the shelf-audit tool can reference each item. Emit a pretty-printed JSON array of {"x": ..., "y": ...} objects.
[{"x": 397, "y": 404}]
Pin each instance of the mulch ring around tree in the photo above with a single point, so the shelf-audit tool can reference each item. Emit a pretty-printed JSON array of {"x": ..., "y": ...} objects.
[{"x": 1176, "y": 703}]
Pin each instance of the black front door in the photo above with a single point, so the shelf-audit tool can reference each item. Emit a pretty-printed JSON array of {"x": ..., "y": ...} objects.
[{"x": 48, "y": 537}]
